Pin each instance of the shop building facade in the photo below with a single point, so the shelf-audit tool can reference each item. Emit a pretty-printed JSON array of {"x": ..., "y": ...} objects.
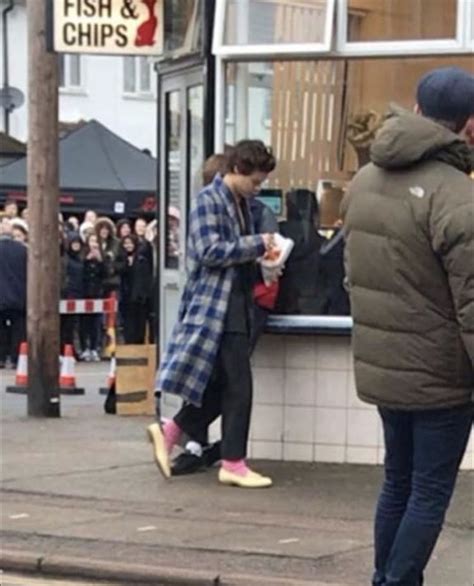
[{"x": 312, "y": 78}]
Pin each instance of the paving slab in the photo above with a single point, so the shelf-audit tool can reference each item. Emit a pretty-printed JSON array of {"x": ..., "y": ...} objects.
[{"x": 85, "y": 487}]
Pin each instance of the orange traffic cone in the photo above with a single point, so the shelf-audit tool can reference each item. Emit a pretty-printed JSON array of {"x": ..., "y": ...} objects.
[
  {"x": 21, "y": 378},
  {"x": 67, "y": 379},
  {"x": 110, "y": 377}
]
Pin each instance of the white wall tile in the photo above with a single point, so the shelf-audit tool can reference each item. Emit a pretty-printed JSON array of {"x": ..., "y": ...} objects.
[
  {"x": 356, "y": 455},
  {"x": 468, "y": 461},
  {"x": 470, "y": 443},
  {"x": 324, "y": 453},
  {"x": 266, "y": 450},
  {"x": 380, "y": 455},
  {"x": 170, "y": 405},
  {"x": 269, "y": 385},
  {"x": 299, "y": 424},
  {"x": 330, "y": 426},
  {"x": 297, "y": 452},
  {"x": 215, "y": 430},
  {"x": 301, "y": 352},
  {"x": 352, "y": 398},
  {"x": 267, "y": 423},
  {"x": 300, "y": 386},
  {"x": 270, "y": 351},
  {"x": 380, "y": 435},
  {"x": 331, "y": 388},
  {"x": 362, "y": 428},
  {"x": 333, "y": 352}
]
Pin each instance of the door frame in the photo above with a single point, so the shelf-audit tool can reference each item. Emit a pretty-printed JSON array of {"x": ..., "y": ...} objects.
[{"x": 179, "y": 77}]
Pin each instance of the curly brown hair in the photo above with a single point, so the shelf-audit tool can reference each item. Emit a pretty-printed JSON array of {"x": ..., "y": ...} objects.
[{"x": 248, "y": 156}]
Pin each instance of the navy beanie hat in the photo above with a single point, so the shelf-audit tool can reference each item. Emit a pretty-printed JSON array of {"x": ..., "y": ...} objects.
[{"x": 447, "y": 94}]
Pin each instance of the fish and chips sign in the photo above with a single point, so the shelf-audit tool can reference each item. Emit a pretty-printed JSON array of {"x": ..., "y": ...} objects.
[{"x": 123, "y": 27}]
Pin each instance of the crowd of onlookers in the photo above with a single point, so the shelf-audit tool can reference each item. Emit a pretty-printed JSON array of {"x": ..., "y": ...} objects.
[{"x": 99, "y": 258}]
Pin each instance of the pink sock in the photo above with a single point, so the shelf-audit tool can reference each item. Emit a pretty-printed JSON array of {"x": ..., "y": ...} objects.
[
  {"x": 172, "y": 433},
  {"x": 238, "y": 467}
]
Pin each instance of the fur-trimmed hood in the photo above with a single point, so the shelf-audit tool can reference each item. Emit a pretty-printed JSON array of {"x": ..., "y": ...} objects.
[{"x": 103, "y": 221}]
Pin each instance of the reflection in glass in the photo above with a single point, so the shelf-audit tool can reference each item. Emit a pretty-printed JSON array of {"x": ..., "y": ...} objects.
[
  {"x": 263, "y": 22},
  {"x": 401, "y": 20},
  {"x": 173, "y": 176},
  {"x": 305, "y": 116},
  {"x": 183, "y": 25},
  {"x": 313, "y": 280},
  {"x": 196, "y": 137}
]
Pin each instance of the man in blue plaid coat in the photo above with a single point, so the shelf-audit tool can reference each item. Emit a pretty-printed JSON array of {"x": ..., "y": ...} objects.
[{"x": 207, "y": 361}]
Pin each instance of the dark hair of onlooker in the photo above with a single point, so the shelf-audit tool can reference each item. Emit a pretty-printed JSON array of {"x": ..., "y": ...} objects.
[
  {"x": 248, "y": 156},
  {"x": 133, "y": 238},
  {"x": 214, "y": 164},
  {"x": 121, "y": 223}
]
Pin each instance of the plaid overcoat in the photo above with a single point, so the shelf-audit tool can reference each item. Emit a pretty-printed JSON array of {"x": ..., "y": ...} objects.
[{"x": 215, "y": 246}]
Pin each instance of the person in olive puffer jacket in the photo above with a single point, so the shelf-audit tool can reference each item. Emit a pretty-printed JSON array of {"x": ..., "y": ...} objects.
[{"x": 408, "y": 220}]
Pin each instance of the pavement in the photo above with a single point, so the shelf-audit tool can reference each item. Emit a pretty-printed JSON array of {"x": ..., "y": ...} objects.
[{"x": 81, "y": 497}]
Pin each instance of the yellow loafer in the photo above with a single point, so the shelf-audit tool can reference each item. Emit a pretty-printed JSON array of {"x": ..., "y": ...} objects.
[
  {"x": 160, "y": 453},
  {"x": 250, "y": 480}
]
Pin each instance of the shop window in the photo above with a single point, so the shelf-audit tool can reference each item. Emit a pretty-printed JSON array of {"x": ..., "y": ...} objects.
[
  {"x": 70, "y": 73},
  {"x": 183, "y": 26},
  {"x": 402, "y": 20},
  {"x": 137, "y": 76},
  {"x": 402, "y": 26},
  {"x": 174, "y": 137},
  {"x": 273, "y": 25},
  {"x": 195, "y": 102},
  {"x": 321, "y": 117},
  {"x": 301, "y": 28}
]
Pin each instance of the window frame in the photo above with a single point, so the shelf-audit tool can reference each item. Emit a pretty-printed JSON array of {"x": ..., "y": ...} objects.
[
  {"x": 336, "y": 45},
  {"x": 138, "y": 92},
  {"x": 68, "y": 88},
  {"x": 398, "y": 48},
  {"x": 469, "y": 25},
  {"x": 269, "y": 51}
]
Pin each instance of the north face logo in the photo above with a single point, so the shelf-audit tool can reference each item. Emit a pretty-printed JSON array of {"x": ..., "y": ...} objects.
[{"x": 417, "y": 191}]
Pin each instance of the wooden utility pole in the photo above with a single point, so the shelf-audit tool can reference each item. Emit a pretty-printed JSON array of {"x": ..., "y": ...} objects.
[{"x": 43, "y": 207}]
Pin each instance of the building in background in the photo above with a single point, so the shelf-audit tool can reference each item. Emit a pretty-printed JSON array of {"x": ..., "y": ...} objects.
[{"x": 119, "y": 92}]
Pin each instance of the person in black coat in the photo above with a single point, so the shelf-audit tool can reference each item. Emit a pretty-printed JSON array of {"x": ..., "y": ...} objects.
[
  {"x": 137, "y": 281},
  {"x": 114, "y": 260},
  {"x": 333, "y": 298},
  {"x": 73, "y": 286},
  {"x": 13, "y": 263},
  {"x": 94, "y": 273},
  {"x": 299, "y": 282}
]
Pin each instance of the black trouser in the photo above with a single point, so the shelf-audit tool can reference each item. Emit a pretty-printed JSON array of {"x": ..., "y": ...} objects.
[
  {"x": 135, "y": 317},
  {"x": 259, "y": 321},
  {"x": 229, "y": 392},
  {"x": 11, "y": 336},
  {"x": 68, "y": 323},
  {"x": 89, "y": 331}
]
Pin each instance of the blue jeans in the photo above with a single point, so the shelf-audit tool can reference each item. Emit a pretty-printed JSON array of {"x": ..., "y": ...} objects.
[{"x": 424, "y": 450}]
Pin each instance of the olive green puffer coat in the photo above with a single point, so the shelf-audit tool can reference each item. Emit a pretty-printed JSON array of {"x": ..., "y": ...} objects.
[{"x": 409, "y": 225}]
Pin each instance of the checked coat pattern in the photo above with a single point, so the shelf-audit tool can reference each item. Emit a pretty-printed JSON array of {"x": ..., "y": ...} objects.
[{"x": 215, "y": 246}]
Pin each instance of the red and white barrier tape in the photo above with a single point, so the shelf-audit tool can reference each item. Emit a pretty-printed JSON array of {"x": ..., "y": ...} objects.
[{"x": 80, "y": 306}]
